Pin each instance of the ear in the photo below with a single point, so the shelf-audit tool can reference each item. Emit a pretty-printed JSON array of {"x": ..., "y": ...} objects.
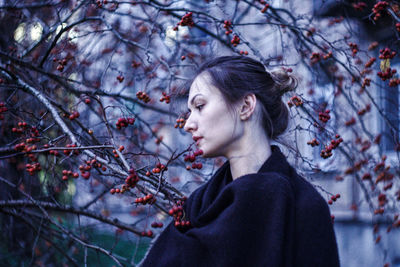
[{"x": 248, "y": 106}]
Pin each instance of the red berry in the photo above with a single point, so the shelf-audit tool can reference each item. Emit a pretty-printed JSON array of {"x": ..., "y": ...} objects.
[
  {"x": 149, "y": 233},
  {"x": 85, "y": 175}
]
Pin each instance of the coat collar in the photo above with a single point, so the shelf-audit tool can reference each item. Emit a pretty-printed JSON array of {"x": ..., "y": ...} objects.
[{"x": 276, "y": 163}]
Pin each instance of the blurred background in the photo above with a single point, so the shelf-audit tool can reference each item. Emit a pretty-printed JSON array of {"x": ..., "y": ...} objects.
[{"x": 93, "y": 101}]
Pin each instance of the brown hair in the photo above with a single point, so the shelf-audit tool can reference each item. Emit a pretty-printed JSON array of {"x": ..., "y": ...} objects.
[{"x": 236, "y": 76}]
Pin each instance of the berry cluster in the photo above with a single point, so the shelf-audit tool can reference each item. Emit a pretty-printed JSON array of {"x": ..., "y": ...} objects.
[
  {"x": 67, "y": 173},
  {"x": 3, "y": 109},
  {"x": 32, "y": 168},
  {"x": 197, "y": 165},
  {"x": 120, "y": 149},
  {"x": 366, "y": 176},
  {"x": 327, "y": 152},
  {"x": 388, "y": 186},
  {"x": 378, "y": 7},
  {"x": 235, "y": 40},
  {"x": 132, "y": 179},
  {"x": 67, "y": 152},
  {"x": 359, "y": 6},
  {"x": 387, "y": 74},
  {"x": 386, "y": 53},
  {"x": 315, "y": 57},
  {"x": 159, "y": 140},
  {"x": 370, "y": 62},
  {"x": 311, "y": 31},
  {"x": 34, "y": 135},
  {"x": 177, "y": 212},
  {"x": 180, "y": 123},
  {"x": 379, "y": 211},
  {"x": 120, "y": 78},
  {"x": 148, "y": 199},
  {"x": 187, "y": 20},
  {"x": 314, "y": 142},
  {"x": 377, "y": 139},
  {"x": 384, "y": 176},
  {"x": 101, "y": 3},
  {"x": 21, "y": 127},
  {"x": 157, "y": 225},
  {"x": 20, "y": 147},
  {"x": 354, "y": 48},
  {"x": 359, "y": 164},
  {"x": 227, "y": 27},
  {"x": 324, "y": 116},
  {"x": 333, "y": 21},
  {"x": 366, "y": 82},
  {"x": 381, "y": 165},
  {"x": 61, "y": 64},
  {"x": 364, "y": 110},
  {"x": 165, "y": 97},
  {"x": 75, "y": 114},
  {"x": 382, "y": 199},
  {"x": 398, "y": 26},
  {"x": 85, "y": 169},
  {"x": 333, "y": 199},
  {"x": 51, "y": 152},
  {"x": 149, "y": 233},
  {"x": 143, "y": 96},
  {"x": 295, "y": 101},
  {"x": 326, "y": 56},
  {"x": 32, "y": 140},
  {"x": 365, "y": 71},
  {"x": 55, "y": 153},
  {"x": 159, "y": 167},
  {"x": 124, "y": 122},
  {"x": 130, "y": 182},
  {"x": 373, "y": 45},
  {"x": 365, "y": 145},
  {"x": 243, "y": 52},
  {"x": 394, "y": 82},
  {"x": 193, "y": 156},
  {"x": 136, "y": 64},
  {"x": 265, "y": 8},
  {"x": 350, "y": 122}
]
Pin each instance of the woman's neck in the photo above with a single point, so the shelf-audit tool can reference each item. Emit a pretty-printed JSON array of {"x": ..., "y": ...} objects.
[{"x": 253, "y": 150}]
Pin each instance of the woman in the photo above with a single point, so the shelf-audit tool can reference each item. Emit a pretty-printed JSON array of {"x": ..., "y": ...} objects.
[{"x": 255, "y": 210}]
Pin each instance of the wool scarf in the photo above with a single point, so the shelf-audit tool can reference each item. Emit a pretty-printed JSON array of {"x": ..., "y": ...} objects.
[{"x": 270, "y": 218}]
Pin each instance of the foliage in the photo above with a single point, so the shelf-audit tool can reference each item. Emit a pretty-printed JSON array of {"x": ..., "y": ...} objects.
[{"x": 91, "y": 119}]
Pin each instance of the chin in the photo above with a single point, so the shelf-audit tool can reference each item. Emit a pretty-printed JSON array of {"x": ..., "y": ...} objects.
[{"x": 209, "y": 154}]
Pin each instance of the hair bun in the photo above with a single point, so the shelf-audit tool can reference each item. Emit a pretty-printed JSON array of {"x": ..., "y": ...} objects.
[{"x": 284, "y": 82}]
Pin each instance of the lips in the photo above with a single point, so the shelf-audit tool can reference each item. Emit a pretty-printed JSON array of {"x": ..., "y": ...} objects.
[{"x": 197, "y": 139}]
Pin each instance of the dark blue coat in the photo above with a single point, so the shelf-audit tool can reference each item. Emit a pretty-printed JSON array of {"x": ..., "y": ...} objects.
[{"x": 270, "y": 218}]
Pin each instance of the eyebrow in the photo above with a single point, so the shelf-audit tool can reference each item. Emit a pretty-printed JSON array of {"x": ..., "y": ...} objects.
[{"x": 191, "y": 101}]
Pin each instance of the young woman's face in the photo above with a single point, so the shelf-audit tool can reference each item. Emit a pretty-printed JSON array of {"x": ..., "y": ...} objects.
[{"x": 213, "y": 126}]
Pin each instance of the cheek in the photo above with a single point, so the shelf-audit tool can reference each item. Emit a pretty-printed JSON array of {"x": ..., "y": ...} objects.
[{"x": 221, "y": 124}]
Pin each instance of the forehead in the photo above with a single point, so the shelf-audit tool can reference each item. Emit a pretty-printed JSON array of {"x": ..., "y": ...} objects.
[{"x": 202, "y": 85}]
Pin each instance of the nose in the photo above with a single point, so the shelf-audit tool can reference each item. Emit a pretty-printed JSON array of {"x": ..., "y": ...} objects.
[{"x": 190, "y": 124}]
